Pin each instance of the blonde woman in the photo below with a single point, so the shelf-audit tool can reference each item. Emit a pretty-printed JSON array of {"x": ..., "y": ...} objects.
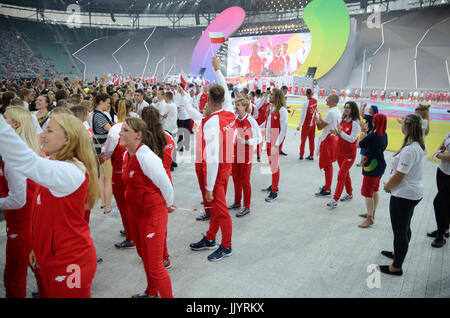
[
  {"x": 277, "y": 123},
  {"x": 406, "y": 189},
  {"x": 18, "y": 195},
  {"x": 62, "y": 249}
]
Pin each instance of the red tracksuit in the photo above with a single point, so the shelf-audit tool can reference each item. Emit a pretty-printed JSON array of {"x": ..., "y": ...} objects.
[
  {"x": 346, "y": 154},
  {"x": 309, "y": 128},
  {"x": 221, "y": 122},
  {"x": 243, "y": 155},
  {"x": 275, "y": 132},
  {"x": 167, "y": 163},
  {"x": 262, "y": 118},
  {"x": 148, "y": 215},
  {"x": 62, "y": 242},
  {"x": 118, "y": 186},
  {"x": 18, "y": 244}
]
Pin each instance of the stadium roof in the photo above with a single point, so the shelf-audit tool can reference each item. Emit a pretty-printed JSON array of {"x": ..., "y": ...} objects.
[{"x": 163, "y": 6}]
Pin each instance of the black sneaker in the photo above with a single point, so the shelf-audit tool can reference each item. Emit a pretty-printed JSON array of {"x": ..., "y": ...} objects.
[
  {"x": 144, "y": 295},
  {"x": 435, "y": 234},
  {"x": 203, "y": 217},
  {"x": 203, "y": 244},
  {"x": 268, "y": 189},
  {"x": 99, "y": 260},
  {"x": 309, "y": 158},
  {"x": 125, "y": 244},
  {"x": 258, "y": 158},
  {"x": 323, "y": 193},
  {"x": 122, "y": 232},
  {"x": 202, "y": 203},
  {"x": 234, "y": 206},
  {"x": 172, "y": 169},
  {"x": 174, "y": 164},
  {"x": 272, "y": 196},
  {"x": 35, "y": 295},
  {"x": 220, "y": 253},
  {"x": 242, "y": 212},
  {"x": 300, "y": 158},
  {"x": 439, "y": 242},
  {"x": 283, "y": 153}
]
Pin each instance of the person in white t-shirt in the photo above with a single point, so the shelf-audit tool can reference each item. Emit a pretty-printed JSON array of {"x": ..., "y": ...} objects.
[
  {"x": 184, "y": 120},
  {"x": 169, "y": 121},
  {"x": 406, "y": 188},
  {"x": 327, "y": 143},
  {"x": 441, "y": 202},
  {"x": 139, "y": 101}
]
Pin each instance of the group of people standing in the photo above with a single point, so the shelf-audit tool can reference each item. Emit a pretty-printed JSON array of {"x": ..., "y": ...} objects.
[{"x": 50, "y": 183}]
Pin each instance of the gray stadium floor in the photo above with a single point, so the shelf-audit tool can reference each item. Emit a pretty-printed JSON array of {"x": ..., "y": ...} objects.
[{"x": 294, "y": 247}]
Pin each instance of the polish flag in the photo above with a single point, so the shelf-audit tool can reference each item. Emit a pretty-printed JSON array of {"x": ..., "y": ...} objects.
[
  {"x": 183, "y": 78},
  {"x": 217, "y": 37}
]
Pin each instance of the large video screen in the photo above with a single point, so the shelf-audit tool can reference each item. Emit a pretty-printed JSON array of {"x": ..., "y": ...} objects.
[{"x": 268, "y": 55}]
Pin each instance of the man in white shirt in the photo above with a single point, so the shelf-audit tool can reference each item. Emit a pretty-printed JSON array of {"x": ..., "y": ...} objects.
[
  {"x": 328, "y": 142},
  {"x": 184, "y": 120},
  {"x": 139, "y": 101},
  {"x": 27, "y": 96},
  {"x": 161, "y": 102}
]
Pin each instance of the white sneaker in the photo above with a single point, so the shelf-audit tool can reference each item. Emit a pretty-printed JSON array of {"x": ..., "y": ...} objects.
[
  {"x": 332, "y": 204},
  {"x": 346, "y": 197}
]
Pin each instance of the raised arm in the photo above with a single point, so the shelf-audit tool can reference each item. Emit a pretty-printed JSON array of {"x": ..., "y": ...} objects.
[{"x": 60, "y": 177}]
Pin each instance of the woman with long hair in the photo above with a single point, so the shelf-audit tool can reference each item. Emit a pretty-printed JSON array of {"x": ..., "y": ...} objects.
[
  {"x": 149, "y": 196},
  {"x": 247, "y": 136},
  {"x": 374, "y": 144},
  {"x": 276, "y": 132},
  {"x": 406, "y": 189},
  {"x": 18, "y": 196},
  {"x": 62, "y": 249},
  {"x": 43, "y": 106},
  {"x": 347, "y": 133},
  {"x": 163, "y": 146},
  {"x": 114, "y": 151},
  {"x": 424, "y": 112}
]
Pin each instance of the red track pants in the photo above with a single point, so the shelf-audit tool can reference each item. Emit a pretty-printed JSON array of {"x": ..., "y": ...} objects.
[
  {"x": 310, "y": 133},
  {"x": 343, "y": 179},
  {"x": 149, "y": 233},
  {"x": 220, "y": 216},
  {"x": 201, "y": 176},
  {"x": 18, "y": 248},
  {"x": 274, "y": 165},
  {"x": 118, "y": 188},
  {"x": 241, "y": 179}
]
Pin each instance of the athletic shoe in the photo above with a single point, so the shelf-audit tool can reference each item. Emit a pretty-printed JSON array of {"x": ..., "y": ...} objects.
[
  {"x": 332, "y": 204},
  {"x": 439, "y": 242},
  {"x": 283, "y": 153},
  {"x": 203, "y": 244},
  {"x": 301, "y": 158},
  {"x": 435, "y": 234},
  {"x": 346, "y": 197},
  {"x": 202, "y": 203},
  {"x": 272, "y": 196},
  {"x": 167, "y": 264},
  {"x": 125, "y": 244},
  {"x": 323, "y": 193},
  {"x": 234, "y": 206},
  {"x": 309, "y": 158},
  {"x": 144, "y": 295},
  {"x": 174, "y": 164},
  {"x": 172, "y": 168},
  {"x": 99, "y": 260},
  {"x": 122, "y": 232},
  {"x": 242, "y": 212},
  {"x": 35, "y": 295},
  {"x": 220, "y": 253},
  {"x": 203, "y": 217},
  {"x": 258, "y": 158},
  {"x": 268, "y": 189}
]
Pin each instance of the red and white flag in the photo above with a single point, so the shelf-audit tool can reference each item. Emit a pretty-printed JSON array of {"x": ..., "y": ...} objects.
[
  {"x": 217, "y": 37},
  {"x": 183, "y": 79}
]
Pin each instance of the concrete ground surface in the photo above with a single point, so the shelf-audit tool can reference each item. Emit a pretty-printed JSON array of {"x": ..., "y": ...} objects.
[{"x": 294, "y": 247}]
